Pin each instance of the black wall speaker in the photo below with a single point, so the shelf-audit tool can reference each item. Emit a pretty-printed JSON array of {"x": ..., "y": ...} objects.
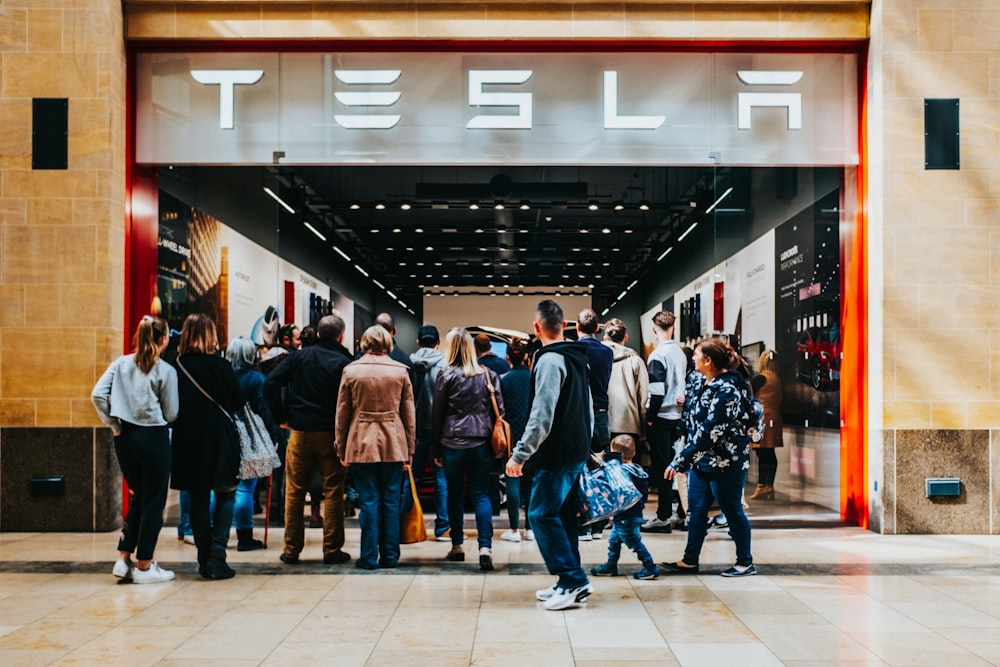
[
  {"x": 941, "y": 134},
  {"x": 49, "y": 132}
]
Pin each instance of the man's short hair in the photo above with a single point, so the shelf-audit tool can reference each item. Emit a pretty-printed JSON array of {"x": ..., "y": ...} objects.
[
  {"x": 615, "y": 329},
  {"x": 385, "y": 321},
  {"x": 549, "y": 316},
  {"x": 286, "y": 332},
  {"x": 664, "y": 319},
  {"x": 428, "y": 336},
  {"x": 330, "y": 328},
  {"x": 587, "y": 321},
  {"x": 482, "y": 343}
]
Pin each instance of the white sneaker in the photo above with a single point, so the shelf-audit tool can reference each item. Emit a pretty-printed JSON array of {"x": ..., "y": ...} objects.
[
  {"x": 564, "y": 598},
  {"x": 544, "y": 594},
  {"x": 584, "y": 537},
  {"x": 122, "y": 568},
  {"x": 154, "y": 575},
  {"x": 529, "y": 535},
  {"x": 189, "y": 539},
  {"x": 598, "y": 534},
  {"x": 511, "y": 536}
]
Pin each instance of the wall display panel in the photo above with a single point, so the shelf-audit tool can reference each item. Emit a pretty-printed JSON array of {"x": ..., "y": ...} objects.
[
  {"x": 206, "y": 266},
  {"x": 489, "y": 108}
]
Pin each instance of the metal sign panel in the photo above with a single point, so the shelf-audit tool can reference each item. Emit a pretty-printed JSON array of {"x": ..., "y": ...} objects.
[{"x": 497, "y": 108}]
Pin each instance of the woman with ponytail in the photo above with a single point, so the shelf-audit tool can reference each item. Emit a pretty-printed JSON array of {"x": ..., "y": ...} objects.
[
  {"x": 717, "y": 453},
  {"x": 137, "y": 397}
]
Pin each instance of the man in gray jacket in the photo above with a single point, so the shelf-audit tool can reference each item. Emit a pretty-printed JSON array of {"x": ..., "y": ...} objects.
[
  {"x": 667, "y": 368},
  {"x": 555, "y": 444}
]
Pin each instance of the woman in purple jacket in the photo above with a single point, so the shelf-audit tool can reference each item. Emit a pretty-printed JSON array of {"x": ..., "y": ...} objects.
[{"x": 462, "y": 422}]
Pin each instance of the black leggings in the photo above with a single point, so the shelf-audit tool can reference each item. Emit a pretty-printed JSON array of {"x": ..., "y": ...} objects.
[
  {"x": 767, "y": 466},
  {"x": 143, "y": 454}
]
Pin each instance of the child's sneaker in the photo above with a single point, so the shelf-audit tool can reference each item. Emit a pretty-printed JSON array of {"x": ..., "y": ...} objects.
[
  {"x": 605, "y": 570},
  {"x": 649, "y": 571}
]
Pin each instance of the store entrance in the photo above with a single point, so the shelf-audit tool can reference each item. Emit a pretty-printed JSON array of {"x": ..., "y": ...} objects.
[{"x": 752, "y": 253}]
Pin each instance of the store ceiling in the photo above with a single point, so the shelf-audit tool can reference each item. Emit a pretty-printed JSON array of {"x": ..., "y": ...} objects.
[{"x": 577, "y": 229}]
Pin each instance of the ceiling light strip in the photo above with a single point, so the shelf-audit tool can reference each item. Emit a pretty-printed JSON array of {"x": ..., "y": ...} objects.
[{"x": 270, "y": 193}]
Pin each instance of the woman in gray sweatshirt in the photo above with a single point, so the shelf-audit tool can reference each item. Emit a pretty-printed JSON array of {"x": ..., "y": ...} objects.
[{"x": 137, "y": 397}]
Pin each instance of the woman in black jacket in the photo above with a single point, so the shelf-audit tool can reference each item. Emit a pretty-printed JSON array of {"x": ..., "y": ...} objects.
[
  {"x": 461, "y": 425},
  {"x": 206, "y": 449}
]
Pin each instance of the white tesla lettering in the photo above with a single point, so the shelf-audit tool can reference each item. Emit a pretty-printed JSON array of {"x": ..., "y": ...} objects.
[
  {"x": 611, "y": 118},
  {"x": 227, "y": 80},
  {"x": 790, "y": 101},
  {"x": 478, "y": 97},
  {"x": 369, "y": 77}
]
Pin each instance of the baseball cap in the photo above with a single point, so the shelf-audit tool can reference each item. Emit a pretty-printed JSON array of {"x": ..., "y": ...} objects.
[{"x": 428, "y": 334}]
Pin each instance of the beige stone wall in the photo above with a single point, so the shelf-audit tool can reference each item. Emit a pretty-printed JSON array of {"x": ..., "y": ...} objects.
[
  {"x": 61, "y": 232},
  {"x": 496, "y": 19},
  {"x": 941, "y": 302}
]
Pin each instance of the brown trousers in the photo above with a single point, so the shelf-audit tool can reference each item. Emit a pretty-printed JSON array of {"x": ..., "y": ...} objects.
[{"x": 308, "y": 450}]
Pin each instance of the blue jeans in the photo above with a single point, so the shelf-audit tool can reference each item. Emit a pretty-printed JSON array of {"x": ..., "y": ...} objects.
[
  {"x": 514, "y": 487},
  {"x": 626, "y": 530},
  {"x": 243, "y": 507},
  {"x": 473, "y": 464},
  {"x": 210, "y": 525},
  {"x": 421, "y": 456},
  {"x": 727, "y": 488},
  {"x": 184, "y": 522},
  {"x": 379, "y": 486},
  {"x": 553, "y": 513}
]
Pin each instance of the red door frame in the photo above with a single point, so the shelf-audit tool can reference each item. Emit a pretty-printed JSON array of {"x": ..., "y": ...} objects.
[{"x": 142, "y": 210}]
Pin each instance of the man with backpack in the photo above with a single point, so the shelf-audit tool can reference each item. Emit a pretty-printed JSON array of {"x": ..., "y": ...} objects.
[{"x": 427, "y": 363}]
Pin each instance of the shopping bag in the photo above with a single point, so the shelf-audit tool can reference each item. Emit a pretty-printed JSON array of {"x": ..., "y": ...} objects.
[
  {"x": 605, "y": 490},
  {"x": 257, "y": 452},
  {"x": 411, "y": 521}
]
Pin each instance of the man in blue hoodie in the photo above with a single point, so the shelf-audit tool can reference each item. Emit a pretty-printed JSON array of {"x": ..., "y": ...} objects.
[
  {"x": 555, "y": 445},
  {"x": 427, "y": 364}
]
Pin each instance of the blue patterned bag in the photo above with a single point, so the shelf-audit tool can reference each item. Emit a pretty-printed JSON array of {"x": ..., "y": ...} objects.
[{"x": 605, "y": 490}]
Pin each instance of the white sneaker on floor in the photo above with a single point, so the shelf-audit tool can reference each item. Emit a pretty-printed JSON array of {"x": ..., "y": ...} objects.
[
  {"x": 511, "y": 536},
  {"x": 189, "y": 539},
  {"x": 584, "y": 537},
  {"x": 122, "y": 568},
  {"x": 154, "y": 575},
  {"x": 597, "y": 535},
  {"x": 544, "y": 594},
  {"x": 564, "y": 598},
  {"x": 529, "y": 535}
]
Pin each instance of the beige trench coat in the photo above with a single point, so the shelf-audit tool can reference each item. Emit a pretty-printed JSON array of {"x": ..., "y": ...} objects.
[{"x": 376, "y": 422}]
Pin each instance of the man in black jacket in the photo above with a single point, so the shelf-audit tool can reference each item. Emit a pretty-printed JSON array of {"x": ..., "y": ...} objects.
[
  {"x": 312, "y": 377},
  {"x": 555, "y": 445}
]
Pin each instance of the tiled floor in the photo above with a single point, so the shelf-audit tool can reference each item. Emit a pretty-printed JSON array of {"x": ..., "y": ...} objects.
[{"x": 824, "y": 596}]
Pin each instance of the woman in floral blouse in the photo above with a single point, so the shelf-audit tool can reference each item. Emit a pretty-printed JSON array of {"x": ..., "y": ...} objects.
[{"x": 717, "y": 453}]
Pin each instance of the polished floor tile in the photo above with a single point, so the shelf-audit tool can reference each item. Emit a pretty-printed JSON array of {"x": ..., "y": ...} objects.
[{"x": 824, "y": 596}]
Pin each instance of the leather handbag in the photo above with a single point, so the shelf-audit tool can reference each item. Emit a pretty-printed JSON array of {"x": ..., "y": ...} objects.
[
  {"x": 412, "y": 528},
  {"x": 500, "y": 438}
]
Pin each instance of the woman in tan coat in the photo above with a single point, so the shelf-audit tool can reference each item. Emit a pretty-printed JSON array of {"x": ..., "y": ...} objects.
[
  {"x": 376, "y": 435},
  {"x": 767, "y": 387}
]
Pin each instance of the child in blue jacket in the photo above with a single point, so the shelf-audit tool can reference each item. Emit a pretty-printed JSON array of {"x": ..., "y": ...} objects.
[{"x": 626, "y": 525}]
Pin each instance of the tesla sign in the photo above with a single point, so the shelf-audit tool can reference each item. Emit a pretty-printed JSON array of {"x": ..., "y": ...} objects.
[{"x": 434, "y": 108}]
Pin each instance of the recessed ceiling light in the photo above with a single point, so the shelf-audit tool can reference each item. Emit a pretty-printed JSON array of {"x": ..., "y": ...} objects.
[
  {"x": 379, "y": 206},
  {"x": 619, "y": 206},
  {"x": 396, "y": 230},
  {"x": 644, "y": 205},
  {"x": 592, "y": 205},
  {"x": 606, "y": 230},
  {"x": 499, "y": 206},
  {"x": 473, "y": 206},
  {"x": 405, "y": 206},
  {"x": 525, "y": 206},
  {"x": 419, "y": 230},
  {"x": 354, "y": 205}
]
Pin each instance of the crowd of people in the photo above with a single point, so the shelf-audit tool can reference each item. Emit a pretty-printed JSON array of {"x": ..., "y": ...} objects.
[{"x": 349, "y": 426}]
